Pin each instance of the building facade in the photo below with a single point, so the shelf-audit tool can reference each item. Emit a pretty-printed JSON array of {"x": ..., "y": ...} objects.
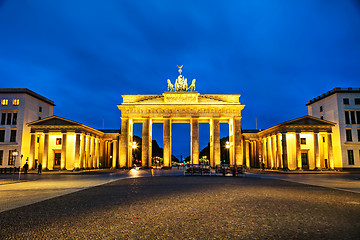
[
  {"x": 341, "y": 106},
  {"x": 19, "y": 106}
]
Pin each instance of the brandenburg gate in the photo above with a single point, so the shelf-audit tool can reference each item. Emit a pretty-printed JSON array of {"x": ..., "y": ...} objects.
[{"x": 181, "y": 104}]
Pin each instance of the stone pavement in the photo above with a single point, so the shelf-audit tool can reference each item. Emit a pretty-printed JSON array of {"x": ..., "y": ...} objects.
[{"x": 191, "y": 207}]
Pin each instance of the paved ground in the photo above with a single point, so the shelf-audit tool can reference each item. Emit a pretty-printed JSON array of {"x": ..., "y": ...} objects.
[
  {"x": 190, "y": 208},
  {"x": 34, "y": 188}
]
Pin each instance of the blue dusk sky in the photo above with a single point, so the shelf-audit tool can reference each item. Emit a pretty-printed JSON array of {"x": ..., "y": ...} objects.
[{"x": 84, "y": 55}]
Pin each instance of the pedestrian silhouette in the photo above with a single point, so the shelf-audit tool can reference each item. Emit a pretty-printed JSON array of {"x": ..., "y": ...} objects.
[
  {"x": 26, "y": 167},
  {"x": 39, "y": 168}
]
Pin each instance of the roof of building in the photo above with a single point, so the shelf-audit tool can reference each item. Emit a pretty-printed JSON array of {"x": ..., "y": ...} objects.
[
  {"x": 57, "y": 122},
  {"x": 305, "y": 121},
  {"x": 27, "y": 91},
  {"x": 109, "y": 130},
  {"x": 250, "y": 130},
  {"x": 333, "y": 91}
]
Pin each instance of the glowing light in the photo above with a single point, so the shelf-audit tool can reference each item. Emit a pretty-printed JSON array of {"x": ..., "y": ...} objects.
[{"x": 227, "y": 144}]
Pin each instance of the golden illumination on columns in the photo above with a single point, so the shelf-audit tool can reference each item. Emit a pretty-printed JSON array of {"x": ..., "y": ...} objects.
[
  {"x": 316, "y": 151},
  {"x": 273, "y": 152},
  {"x": 194, "y": 141},
  {"x": 247, "y": 152},
  {"x": 232, "y": 141},
  {"x": 77, "y": 151},
  {"x": 330, "y": 151},
  {"x": 167, "y": 142},
  {"x": 32, "y": 151},
  {"x": 145, "y": 148},
  {"x": 298, "y": 151},
  {"x": 279, "y": 155},
  {"x": 115, "y": 147},
  {"x": 45, "y": 163},
  {"x": 284, "y": 152},
  {"x": 63, "y": 151},
  {"x": 124, "y": 142},
  {"x": 238, "y": 142},
  {"x": 93, "y": 153},
  {"x": 130, "y": 140}
]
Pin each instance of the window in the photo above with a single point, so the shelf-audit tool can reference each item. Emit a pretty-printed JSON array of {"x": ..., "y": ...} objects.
[
  {"x": 1, "y": 156},
  {"x": 2, "y": 135},
  {"x": 3, "y": 118},
  {"x": 40, "y": 109},
  {"x": 358, "y": 135},
  {"x": 14, "y": 120},
  {"x": 352, "y": 114},
  {"x": 358, "y": 117},
  {"x": 38, "y": 139},
  {"x": 4, "y": 102},
  {"x": 15, "y": 102},
  {"x": 321, "y": 108},
  {"x": 8, "y": 121},
  {"x": 351, "y": 157},
  {"x": 302, "y": 140},
  {"x": 58, "y": 141},
  {"x": 13, "y": 136},
  {"x": 346, "y": 101},
  {"x": 11, "y": 158},
  {"x": 357, "y": 101},
  {"x": 39, "y": 118},
  {"x": 322, "y": 117},
  {"x": 347, "y": 117},
  {"x": 348, "y": 135}
]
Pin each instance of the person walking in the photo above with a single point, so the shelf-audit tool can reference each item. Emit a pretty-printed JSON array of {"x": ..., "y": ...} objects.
[
  {"x": 39, "y": 168},
  {"x": 26, "y": 167}
]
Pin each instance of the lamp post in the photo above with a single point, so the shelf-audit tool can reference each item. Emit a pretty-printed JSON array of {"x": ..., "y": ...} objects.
[
  {"x": 134, "y": 147},
  {"x": 14, "y": 155},
  {"x": 227, "y": 145}
]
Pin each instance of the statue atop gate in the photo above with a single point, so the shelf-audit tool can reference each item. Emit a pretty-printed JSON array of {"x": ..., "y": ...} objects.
[{"x": 181, "y": 83}]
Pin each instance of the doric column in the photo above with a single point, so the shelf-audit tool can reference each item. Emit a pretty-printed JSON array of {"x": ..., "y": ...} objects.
[
  {"x": 215, "y": 156},
  {"x": 194, "y": 141},
  {"x": 45, "y": 162},
  {"x": 106, "y": 154},
  {"x": 124, "y": 142},
  {"x": 87, "y": 151},
  {"x": 130, "y": 140},
  {"x": 298, "y": 151},
  {"x": 32, "y": 151},
  {"x": 330, "y": 151},
  {"x": 231, "y": 140},
  {"x": 269, "y": 152},
  {"x": 167, "y": 142},
  {"x": 98, "y": 153},
  {"x": 284, "y": 152},
  {"x": 260, "y": 152},
  {"x": 278, "y": 151},
  {"x": 247, "y": 152},
  {"x": 145, "y": 150},
  {"x": 114, "y": 154},
  {"x": 77, "y": 151},
  {"x": 93, "y": 153},
  {"x": 102, "y": 153},
  {"x": 63, "y": 150},
  {"x": 316, "y": 151},
  {"x": 273, "y": 152},
  {"x": 238, "y": 142}
]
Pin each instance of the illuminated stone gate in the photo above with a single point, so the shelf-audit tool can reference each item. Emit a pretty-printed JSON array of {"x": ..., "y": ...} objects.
[{"x": 181, "y": 104}]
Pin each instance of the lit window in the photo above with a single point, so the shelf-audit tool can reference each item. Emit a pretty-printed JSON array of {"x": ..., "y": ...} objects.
[
  {"x": 346, "y": 101},
  {"x": 4, "y": 102},
  {"x": 58, "y": 141},
  {"x": 15, "y": 102},
  {"x": 11, "y": 160},
  {"x": 303, "y": 140}
]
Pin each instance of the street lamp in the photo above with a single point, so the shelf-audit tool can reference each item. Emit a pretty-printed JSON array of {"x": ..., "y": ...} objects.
[
  {"x": 134, "y": 147},
  {"x": 227, "y": 145}
]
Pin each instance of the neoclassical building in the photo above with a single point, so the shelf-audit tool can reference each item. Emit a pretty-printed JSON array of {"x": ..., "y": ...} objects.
[{"x": 58, "y": 143}]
